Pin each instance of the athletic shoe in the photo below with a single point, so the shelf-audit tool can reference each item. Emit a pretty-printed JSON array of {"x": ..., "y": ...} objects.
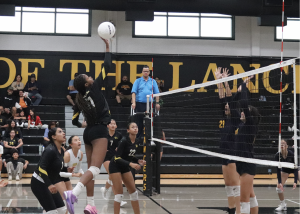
[
  {"x": 123, "y": 203},
  {"x": 281, "y": 207},
  {"x": 17, "y": 178},
  {"x": 90, "y": 210},
  {"x": 70, "y": 200},
  {"x": 231, "y": 211},
  {"x": 122, "y": 211},
  {"x": 9, "y": 177},
  {"x": 106, "y": 192}
]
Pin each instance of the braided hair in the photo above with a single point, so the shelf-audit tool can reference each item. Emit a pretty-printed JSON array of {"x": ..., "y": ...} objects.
[{"x": 83, "y": 104}]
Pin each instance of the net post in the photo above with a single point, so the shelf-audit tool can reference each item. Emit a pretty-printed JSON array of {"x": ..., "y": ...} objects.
[
  {"x": 147, "y": 168},
  {"x": 295, "y": 117},
  {"x": 157, "y": 168}
]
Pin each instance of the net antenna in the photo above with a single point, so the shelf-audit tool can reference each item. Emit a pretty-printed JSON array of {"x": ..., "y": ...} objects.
[
  {"x": 227, "y": 79},
  {"x": 281, "y": 68}
]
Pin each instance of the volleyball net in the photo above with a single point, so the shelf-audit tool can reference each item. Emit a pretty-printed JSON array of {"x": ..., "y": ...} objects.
[{"x": 193, "y": 118}]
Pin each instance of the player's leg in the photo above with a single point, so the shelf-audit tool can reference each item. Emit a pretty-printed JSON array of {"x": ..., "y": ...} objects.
[
  {"x": 118, "y": 187},
  {"x": 130, "y": 185},
  {"x": 282, "y": 205}
]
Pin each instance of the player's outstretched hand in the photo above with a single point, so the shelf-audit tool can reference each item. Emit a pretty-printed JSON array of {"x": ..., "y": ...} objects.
[
  {"x": 294, "y": 186},
  {"x": 218, "y": 73},
  {"x": 225, "y": 73},
  {"x": 105, "y": 41}
]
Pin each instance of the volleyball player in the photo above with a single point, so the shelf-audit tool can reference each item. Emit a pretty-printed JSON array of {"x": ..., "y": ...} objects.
[
  {"x": 113, "y": 137},
  {"x": 285, "y": 155},
  {"x": 245, "y": 138},
  {"x": 73, "y": 159},
  {"x": 92, "y": 103},
  {"x": 47, "y": 174},
  {"x": 120, "y": 165},
  {"x": 227, "y": 126}
]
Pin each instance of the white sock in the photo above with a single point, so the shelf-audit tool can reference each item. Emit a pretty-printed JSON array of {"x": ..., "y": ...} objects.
[
  {"x": 283, "y": 201},
  {"x": 90, "y": 201},
  {"x": 78, "y": 188}
]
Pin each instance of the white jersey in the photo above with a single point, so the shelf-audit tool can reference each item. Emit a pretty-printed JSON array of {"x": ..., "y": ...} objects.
[{"x": 74, "y": 161}]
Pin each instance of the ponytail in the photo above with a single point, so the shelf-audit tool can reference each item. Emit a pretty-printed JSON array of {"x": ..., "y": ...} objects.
[
  {"x": 52, "y": 132},
  {"x": 70, "y": 142}
]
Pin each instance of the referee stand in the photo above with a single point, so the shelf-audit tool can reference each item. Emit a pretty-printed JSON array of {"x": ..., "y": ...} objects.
[{"x": 151, "y": 154}]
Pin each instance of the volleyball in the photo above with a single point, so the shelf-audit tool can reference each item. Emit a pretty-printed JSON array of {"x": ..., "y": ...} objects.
[{"x": 106, "y": 30}]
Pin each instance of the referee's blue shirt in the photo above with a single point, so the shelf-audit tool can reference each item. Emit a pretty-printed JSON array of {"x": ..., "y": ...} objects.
[{"x": 142, "y": 88}]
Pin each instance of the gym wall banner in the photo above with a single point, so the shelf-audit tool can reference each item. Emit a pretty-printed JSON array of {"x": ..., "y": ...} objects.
[{"x": 54, "y": 70}]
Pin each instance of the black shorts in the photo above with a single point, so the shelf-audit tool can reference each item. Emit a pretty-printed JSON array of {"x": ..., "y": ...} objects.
[
  {"x": 108, "y": 157},
  {"x": 287, "y": 170},
  {"x": 114, "y": 168},
  {"x": 65, "y": 179},
  {"x": 47, "y": 200},
  {"x": 94, "y": 132},
  {"x": 73, "y": 96},
  {"x": 248, "y": 168},
  {"x": 227, "y": 161}
]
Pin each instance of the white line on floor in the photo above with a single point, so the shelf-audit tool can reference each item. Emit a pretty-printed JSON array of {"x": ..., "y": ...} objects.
[
  {"x": 293, "y": 201},
  {"x": 8, "y": 204}
]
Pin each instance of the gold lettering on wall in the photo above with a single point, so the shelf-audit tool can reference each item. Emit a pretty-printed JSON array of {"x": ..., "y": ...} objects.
[
  {"x": 74, "y": 65},
  {"x": 12, "y": 72},
  {"x": 266, "y": 81},
  {"x": 175, "y": 83},
  {"x": 24, "y": 68},
  {"x": 133, "y": 69},
  {"x": 211, "y": 68}
]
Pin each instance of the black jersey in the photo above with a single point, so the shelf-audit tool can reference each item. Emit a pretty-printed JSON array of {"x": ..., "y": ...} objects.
[
  {"x": 12, "y": 142},
  {"x": 228, "y": 126},
  {"x": 113, "y": 142},
  {"x": 246, "y": 132},
  {"x": 290, "y": 158},
  {"x": 50, "y": 165},
  {"x": 126, "y": 152},
  {"x": 95, "y": 98}
]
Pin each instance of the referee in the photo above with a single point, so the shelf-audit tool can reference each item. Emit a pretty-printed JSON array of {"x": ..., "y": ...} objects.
[{"x": 141, "y": 88}]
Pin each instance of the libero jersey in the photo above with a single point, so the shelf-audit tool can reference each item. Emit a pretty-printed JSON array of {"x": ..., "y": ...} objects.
[{"x": 74, "y": 160}]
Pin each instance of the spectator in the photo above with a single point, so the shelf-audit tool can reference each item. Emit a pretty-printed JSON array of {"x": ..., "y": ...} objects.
[
  {"x": 34, "y": 121},
  {"x": 9, "y": 101},
  {"x": 51, "y": 125},
  {"x": 20, "y": 119},
  {"x": 124, "y": 90},
  {"x": 17, "y": 85},
  {"x": 18, "y": 133},
  {"x": 141, "y": 88},
  {"x": 23, "y": 102},
  {"x": 262, "y": 98},
  {"x": 160, "y": 84},
  {"x": 34, "y": 90},
  {"x": 3, "y": 125},
  {"x": 12, "y": 143},
  {"x": 15, "y": 166},
  {"x": 1, "y": 153},
  {"x": 72, "y": 91}
]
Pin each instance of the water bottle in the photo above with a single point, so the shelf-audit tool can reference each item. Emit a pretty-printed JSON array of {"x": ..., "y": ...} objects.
[{"x": 40, "y": 149}]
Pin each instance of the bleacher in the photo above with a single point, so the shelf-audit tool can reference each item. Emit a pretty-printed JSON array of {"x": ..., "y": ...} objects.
[{"x": 192, "y": 125}]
